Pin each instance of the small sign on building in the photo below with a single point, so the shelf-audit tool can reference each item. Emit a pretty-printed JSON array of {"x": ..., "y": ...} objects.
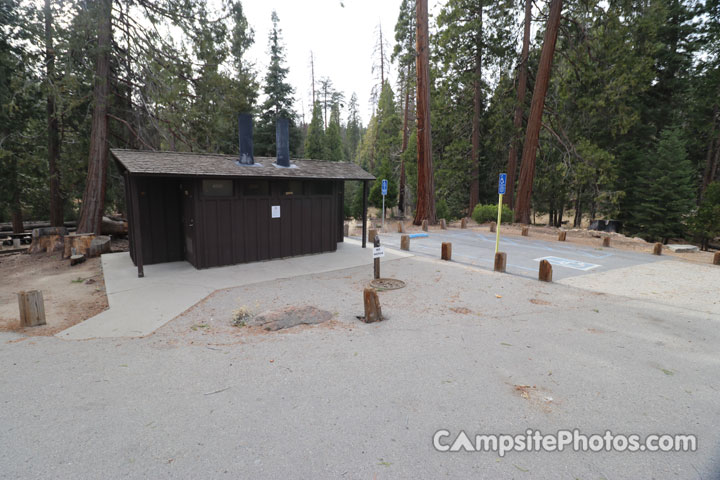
[
  {"x": 378, "y": 252},
  {"x": 276, "y": 211}
]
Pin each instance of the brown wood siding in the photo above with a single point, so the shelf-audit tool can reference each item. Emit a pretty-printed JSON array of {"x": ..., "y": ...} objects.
[
  {"x": 240, "y": 229},
  {"x": 160, "y": 220}
]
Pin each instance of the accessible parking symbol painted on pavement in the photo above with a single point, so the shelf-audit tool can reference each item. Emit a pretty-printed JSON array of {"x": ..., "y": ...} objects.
[{"x": 568, "y": 263}]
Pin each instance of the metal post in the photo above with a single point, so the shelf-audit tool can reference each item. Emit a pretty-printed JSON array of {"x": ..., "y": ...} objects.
[
  {"x": 383, "y": 219},
  {"x": 497, "y": 234}
]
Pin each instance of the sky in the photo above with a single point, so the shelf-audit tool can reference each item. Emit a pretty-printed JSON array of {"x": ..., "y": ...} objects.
[{"x": 342, "y": 39}]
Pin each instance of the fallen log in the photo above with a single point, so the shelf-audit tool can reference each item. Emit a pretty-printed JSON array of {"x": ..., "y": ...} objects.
[{"x": 114, "y": 227}]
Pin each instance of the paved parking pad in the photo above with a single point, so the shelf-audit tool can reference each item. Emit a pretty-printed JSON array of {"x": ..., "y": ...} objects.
[{"x": 523, "y": 254}]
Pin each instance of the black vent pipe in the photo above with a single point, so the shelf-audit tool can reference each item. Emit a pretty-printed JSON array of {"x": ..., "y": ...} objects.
[
  {"x": 245, "y": 136},
  {"x": 282, "y": 141}
]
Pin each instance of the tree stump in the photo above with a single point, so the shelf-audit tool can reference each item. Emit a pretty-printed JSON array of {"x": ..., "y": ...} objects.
[
  {"x": 463, "y": 223},
  {"x": 32, "y": 308},
  {"x": 500, "y": 262},
  {"x": 75, "y": 259},
  {"x": 545, "y": 272},
  {"x": 493, "y": 227},
  {"x": 425, "y": 225},
  {"x": 657, "y": 249},
  {"x": 372, "y": 233},
  {"x": 47, "y": 239},
  {"x": 373, "y": 312},
  {"x": 525, "y": 231},
  {"x": 562, "y": 236},
  {"x": 716, "y": 258},
  {"x": 405, "y": 242},
  {"x": 401, "y": 227},
  {"x": 443, "y": 224},
  {"x": 446, "y": 251},
  {"x": 606, "y": 241},
  {"x": 346, "y": 229}
]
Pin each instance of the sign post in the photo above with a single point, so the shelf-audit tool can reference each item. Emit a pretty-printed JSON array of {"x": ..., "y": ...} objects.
[
  {"x": 502, "y": 184},
  {"x": 378, "y": 252},
  {"x": 384, "y": 186}
]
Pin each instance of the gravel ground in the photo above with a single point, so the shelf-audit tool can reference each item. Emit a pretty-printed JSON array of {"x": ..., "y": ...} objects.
[{"x": 461, "y": 349}]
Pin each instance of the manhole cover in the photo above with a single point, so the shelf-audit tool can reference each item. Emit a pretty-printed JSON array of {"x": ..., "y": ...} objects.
[{"x": 387, "y": 284}]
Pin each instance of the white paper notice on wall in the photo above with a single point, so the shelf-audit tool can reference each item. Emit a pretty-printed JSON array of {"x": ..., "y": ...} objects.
[{"x": 276, "y": 211}]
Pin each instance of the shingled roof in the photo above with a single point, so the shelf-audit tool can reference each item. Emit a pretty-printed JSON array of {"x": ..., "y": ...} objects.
[{"x": 145, "y": 162}]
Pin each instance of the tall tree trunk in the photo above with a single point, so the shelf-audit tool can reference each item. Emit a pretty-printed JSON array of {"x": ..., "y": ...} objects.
[
  {"x": 509, "y": 198},
  {"x": 710, "y": 159},
  {"x": 56, "y": 200},
  {"x": 406, "y": 120},
  {"x": 382, "y": 61},
  {"x": 401, "y": 193},
  {"x": 477, "y": 108},
  {"x": 559, "y": 219},
  {"x": 426, "y": 186},
  {"x": 312, "y": 76},
  {"x": 527, "y": 171},
  {"x": 16, "y": 207},
  {"x": 93, "y": 202},
  {"x": 577, "y": 221}
]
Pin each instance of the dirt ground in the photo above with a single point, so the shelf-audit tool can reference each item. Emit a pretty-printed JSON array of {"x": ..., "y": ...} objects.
[
  {"x": 574, "y": 235},
  {"x": 71, "y": 294}
]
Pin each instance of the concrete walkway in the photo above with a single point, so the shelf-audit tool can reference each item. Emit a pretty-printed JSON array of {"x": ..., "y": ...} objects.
[{"x": 139, "y": 306}]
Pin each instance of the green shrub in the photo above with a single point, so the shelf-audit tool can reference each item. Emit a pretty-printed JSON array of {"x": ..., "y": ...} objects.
[
  {"x": 488, "y": 213},
  {"x": 442, "y": 210}
]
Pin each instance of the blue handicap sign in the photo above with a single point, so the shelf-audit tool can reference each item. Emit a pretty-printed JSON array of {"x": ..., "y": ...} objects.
[
  {"x": 502, "y": 183},
  {"x": 384, "y": 187}
]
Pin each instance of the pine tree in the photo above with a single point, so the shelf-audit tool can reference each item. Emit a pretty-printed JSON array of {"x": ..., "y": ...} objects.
[
  {"x": 388, "y": 143},
  {"x": 279, "y": 97},
  {"x": 665, "y": 192},
  {"x": 315, "y": 140},
  {"x": 353, "y": 129},
  {"x": 333, "y": 139}
]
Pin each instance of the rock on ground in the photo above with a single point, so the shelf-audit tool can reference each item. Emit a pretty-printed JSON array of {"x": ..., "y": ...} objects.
[{"x": 289, "y": 317}]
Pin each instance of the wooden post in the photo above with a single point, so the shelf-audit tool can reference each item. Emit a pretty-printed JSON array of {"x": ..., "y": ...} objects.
[
  {"x": 562, "y": 236},
  {"x": 606, "y": 241},
  {"x": 373, "y": 312},
  {"x": 364, "y": 214},
  {"x": 500, "y": 262},
  {"x": 463, "y": 223},
  {"x": 372, "y": 233},
  {"x": 32, "y": 308},
  {"x": 443, "y": 224},
  {"x": 525, "y": 231},
  {"x": 716, "y": 258},
  {"x": 493, "y": 227},
  {"x": 376, "y": 261},
  {"x": 446, "y": 251},
  {"x": 657, "y": 249},
  {"x": 401, "y": 227},
  {"x": 346, "y": 229},
  {"x": 545, "y": 273},
  {"x": 425, "y": 225},
  {"x": 405, "y": 242}
]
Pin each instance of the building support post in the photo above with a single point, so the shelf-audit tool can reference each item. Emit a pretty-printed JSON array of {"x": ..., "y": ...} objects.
[{"x": 364, "y": 213}]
